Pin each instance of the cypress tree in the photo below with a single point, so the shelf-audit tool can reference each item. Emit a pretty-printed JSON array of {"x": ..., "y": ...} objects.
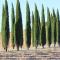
[
  {"x": 57, "y": 28},
  {"x": 48, "y": 31},
  {"x": 54, "y": 28},
  {"x": 18, "y": 26},
  {"x": 36, "y": 27},
  {"x": 3, "y": 27},
  {"x": 43, "y": 31},
  {"x": 28, "y": 27},
  {"x": 59, "y": 33},
  {"x": 13, "y": 27},
  {"x": 38, "y": 33},
  {"x": 52, "y": 34},
  {"x": 54, "y": 16},
  {"x": 6, "y": 26},
  {"x": 32, "y": 29},
  {"x": 21, "y": 30}
]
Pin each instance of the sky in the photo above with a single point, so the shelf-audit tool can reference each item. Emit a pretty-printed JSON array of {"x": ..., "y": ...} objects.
[{"x": 47, "y": 3}]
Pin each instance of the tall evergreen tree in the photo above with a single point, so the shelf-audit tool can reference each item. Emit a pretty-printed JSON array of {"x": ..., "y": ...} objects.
[
  {"x": 52, "y": 34},
  {"x": 18, "y": 26},
  {"x": 38, "y": 33},
  {"x": 3, "y": 27},
  {"x": 54, "y": 17},
  {"x": 32, "y": 29},
  {"x": 28, "y": 27},
  {"x": 43, "y": 31},
  {"x": 5, "y": 24},
  {"x": 57, "y": 28},
  {"x": 48, "y": 30},
  {"x": 59, "y": 33},
  {"x": 54, "y": 28},
  {"x": 13, "y": 27},
  {"x": 36, "y": 27}
]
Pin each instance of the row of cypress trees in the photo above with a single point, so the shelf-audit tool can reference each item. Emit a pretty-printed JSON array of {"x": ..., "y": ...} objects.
[
  {"x": 16, "y": 28},
  {"x": 42, "y": 32},
  {"x": 45, "y": 33}
]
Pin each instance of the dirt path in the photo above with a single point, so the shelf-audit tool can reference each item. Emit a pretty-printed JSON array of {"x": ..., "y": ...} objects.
[{"x": 42, "y": 54}]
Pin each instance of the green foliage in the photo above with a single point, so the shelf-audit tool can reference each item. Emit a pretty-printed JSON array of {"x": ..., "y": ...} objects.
[
  {"x": 57, "y": 28},
  {"x": 36, "y": 27},
  {"x": 54, "y": 27},
  {"x": 59, "y": 34},
  {"x": 32, "y": 29},
  {"x": 18, "y": 26},
  {"x": 28, "y": 27},
  {"x": 5, "y": 26},
  {"x": 43, "y": 31},
  {"x": 48, "y": 29},
  {"x": 13, "y": 27}
]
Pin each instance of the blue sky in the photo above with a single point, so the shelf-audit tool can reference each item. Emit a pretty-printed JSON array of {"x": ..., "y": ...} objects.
[{"x": 47, "y": 3}]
